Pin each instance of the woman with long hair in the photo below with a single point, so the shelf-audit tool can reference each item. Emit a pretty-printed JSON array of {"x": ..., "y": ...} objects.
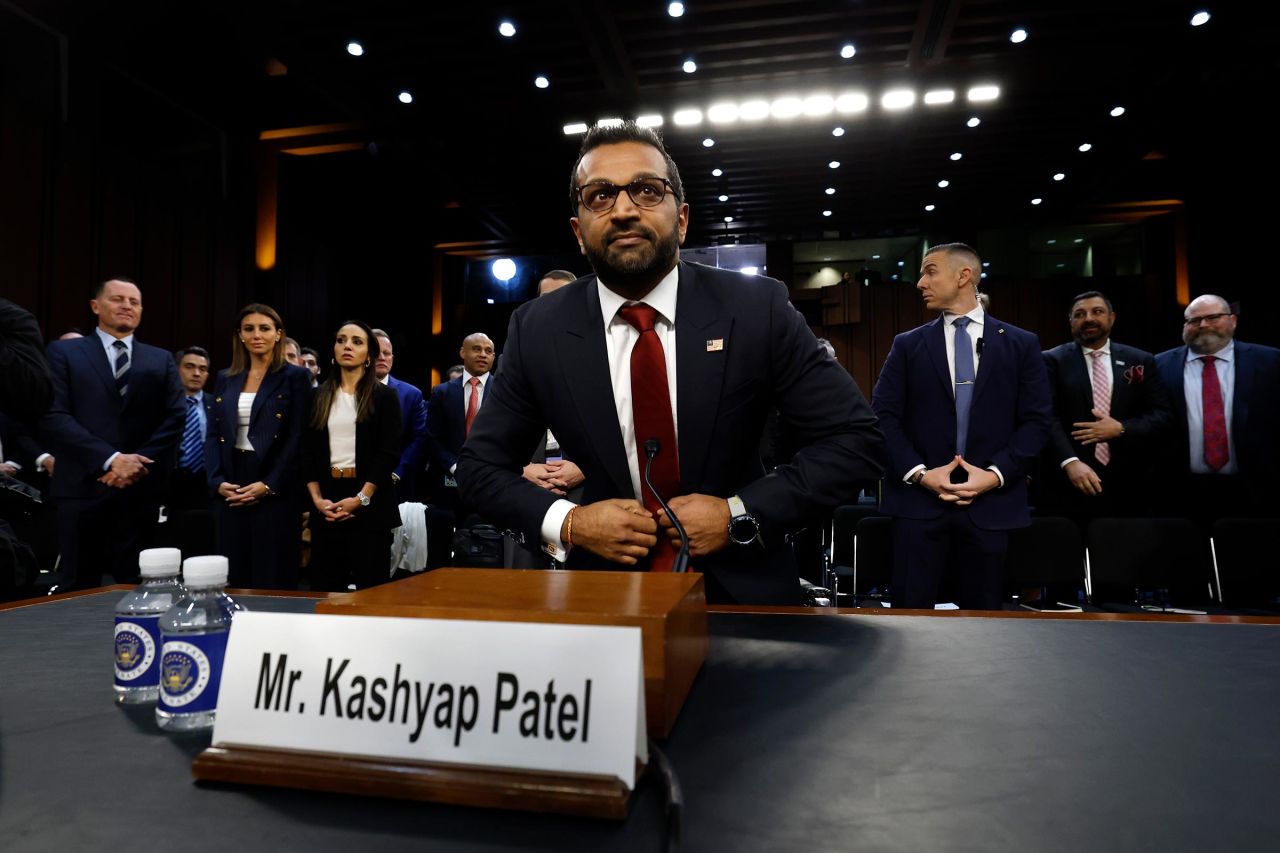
[
  {"x": 351, "y": 446},
  {"x": 260, "y": 407}
]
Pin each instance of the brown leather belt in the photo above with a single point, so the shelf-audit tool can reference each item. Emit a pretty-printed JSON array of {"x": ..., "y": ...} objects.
[{"x": 342, "y": 473}]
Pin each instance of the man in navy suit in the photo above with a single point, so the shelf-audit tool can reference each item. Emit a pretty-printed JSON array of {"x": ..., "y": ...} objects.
[
  {"x": 662, "y": 365},
  {"x": 1225, "y": 455},
  {"x": 965, "y": 408},
  {"x": 413, "y": 423},
  {"x": 114, "y": 426},
  {"x": 452, "y": 410},
  {"x": 1111, "y": 412}
]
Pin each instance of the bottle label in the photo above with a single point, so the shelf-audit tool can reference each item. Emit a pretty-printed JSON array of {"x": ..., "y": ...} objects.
[
  {"x": 190, "y": 672},
  {"x": 136, "y": 649}
]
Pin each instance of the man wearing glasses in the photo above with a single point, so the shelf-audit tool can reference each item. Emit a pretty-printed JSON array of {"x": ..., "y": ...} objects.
[
  {"x": 653, "y": 363},
  {"x": 1225, "y": 397}
]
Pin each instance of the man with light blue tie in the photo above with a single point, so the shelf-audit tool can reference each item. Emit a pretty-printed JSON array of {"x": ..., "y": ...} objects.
[
  {"x": 189, "y": 523},
  {"x": 965, "y": 408}
]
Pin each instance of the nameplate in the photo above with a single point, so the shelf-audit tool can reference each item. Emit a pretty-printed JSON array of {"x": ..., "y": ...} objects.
[{"x": 530, "y": 696}]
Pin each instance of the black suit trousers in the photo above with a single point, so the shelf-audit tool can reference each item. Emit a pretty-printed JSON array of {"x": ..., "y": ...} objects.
[{"x": 925, "y": 550}]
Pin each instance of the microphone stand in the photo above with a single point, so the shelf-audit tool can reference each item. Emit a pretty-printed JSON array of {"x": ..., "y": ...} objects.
[{"x": 651, "y": 448}]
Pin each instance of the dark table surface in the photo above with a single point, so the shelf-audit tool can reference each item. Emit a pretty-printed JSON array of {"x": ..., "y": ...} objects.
[{"x": 802, "y": 733}]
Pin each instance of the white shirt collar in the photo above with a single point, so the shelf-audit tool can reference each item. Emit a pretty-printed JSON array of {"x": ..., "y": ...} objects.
[
  {"x": 467, "y": 376},
  {"x": 1227, "y": 353},
  {"x": 1105, "y": 349},
  {"x": 108, "y": 341},
  {"x": 662, "y": 298},
  {"x": 976, "y": 316},
  {"x": 386, "y": 380}
]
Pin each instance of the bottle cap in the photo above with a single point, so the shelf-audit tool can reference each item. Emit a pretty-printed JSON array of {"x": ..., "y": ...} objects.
[
  {"x": 204, "y": 571},
  {"x": 159, "y": 562}
]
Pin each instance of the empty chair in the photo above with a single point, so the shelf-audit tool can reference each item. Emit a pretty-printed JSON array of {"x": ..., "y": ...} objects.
[
  {"x": 1048, "y": 555},
  {"x": 1149, "y": 561},
  {"x": 1243, "y": 551},
  {"x": 873, "y": 557}
]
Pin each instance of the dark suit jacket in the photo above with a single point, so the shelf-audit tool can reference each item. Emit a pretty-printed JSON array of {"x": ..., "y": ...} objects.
[
  {"x": 413, "y": 434},
  {"x": 556, "y": 375},
  {"x": 447, "y": 419},
  {"x": 276, "y": 422},
  {"x": 1139, "y": 400},
  {"x": 1255, "y": 409},
  {"x": 1008, "y": 420},
  {"x": 25, "y": 385},
  {"x": 377, "y": 452},
  {"x": 88, "y": 420}
]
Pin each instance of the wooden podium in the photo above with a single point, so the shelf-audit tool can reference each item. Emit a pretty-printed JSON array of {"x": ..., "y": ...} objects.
[{"x": 669, "y": 610}]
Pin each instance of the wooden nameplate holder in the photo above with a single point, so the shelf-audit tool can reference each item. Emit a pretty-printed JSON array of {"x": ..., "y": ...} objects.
[{"x": 669, "y": 609}]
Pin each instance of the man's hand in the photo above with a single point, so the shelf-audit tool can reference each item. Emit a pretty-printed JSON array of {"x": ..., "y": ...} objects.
[
  {"x": 1083, "y": 477},
  {"x": 705, "y": 519},
  {"x": 130, "y": 467},
  {"x": 565, "y": 474},
  {"x": 1105, "y": 428},
  {"x": 6, "y": 468},
  {"x": 978, "y": 482},
  {"x": 620, "y": 530},
  {"x": 540, "y": 475},
  {"x": 47, "y": 465},
  {"x": 935, "y": 478}
]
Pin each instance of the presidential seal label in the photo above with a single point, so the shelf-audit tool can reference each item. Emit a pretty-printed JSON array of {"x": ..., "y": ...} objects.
[
  {"x": 185, "y": 673},
  {"x": 135, "y": 649}
]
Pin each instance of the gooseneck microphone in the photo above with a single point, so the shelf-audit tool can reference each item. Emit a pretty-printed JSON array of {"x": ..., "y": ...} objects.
[{"x": 651, "y": 449}]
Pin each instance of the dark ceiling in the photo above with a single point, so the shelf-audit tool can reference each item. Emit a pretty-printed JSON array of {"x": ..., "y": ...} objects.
[{"x": 482, "y": 140}]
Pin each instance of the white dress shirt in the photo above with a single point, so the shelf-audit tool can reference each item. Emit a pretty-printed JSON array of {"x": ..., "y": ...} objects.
[
  {"x": 620, "y": 339},
  {"x": 1192, "y": 389},
  {"x": 109, "y": 346},
  {"x": 1089, "y": 357},
  {"x": 244, "y": 410},
  {"x": 466, "y": 399},
  {"x": 342, "y": 430}
]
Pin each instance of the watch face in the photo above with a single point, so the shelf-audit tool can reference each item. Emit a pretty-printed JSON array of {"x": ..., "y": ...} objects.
[{"x": 743, "y": 529}]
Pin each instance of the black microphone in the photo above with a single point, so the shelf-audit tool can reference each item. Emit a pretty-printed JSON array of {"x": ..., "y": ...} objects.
[
  {"x": 980, "y": 346},
  {"x": 651, "y": 448}
]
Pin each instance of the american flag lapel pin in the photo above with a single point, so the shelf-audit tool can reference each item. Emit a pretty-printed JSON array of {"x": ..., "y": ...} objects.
[{"x": 715, "y": 345}]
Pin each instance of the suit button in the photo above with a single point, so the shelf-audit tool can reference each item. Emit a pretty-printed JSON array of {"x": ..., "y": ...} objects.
[
  {"x": 222, "y": 440},
  {"x": 279, "y": 416},
  {"x": 217, "y": 399}
]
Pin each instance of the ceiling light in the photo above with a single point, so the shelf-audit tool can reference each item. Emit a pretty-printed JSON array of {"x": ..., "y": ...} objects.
[
  {"x": 875, "y": 257},
  {"x": 984, "y": 275},
  {"x": 728, "y": 219},
  {"x": 837, "y": 131},
  {"x": 708, "y": 142},
  {"x": 956, "y": 155},
  {"x": 1051, "y": 242},
  {"x": 575, "y": 128},
  {"x": 974, "y": 122},
  {"x": 675, "y": 10},
  {"x": 1117, "y": 112},
  {"x": 834, "y": 164},
  {"x": 986, "y": 264},
  {"x": 831, "y": 191},
  {"x": 1086, "y": 147},
  {"x": 1199, "y": 19},
  {"x": 852, "y": 102},
  {"x": 715, "y": 173},
  {"x": 1036, "y": 200},
  {"x": 687, "y": 117},
  {"x": 826, "y": 213},
  {"x": 689, "y": 66},
  {"x": 984, "y": 93},
  {"x": 723, "y": 113},
  {"x": 609, "y": 122},
  {"x": 929, "y": 208},
  {"x": 651, "y": 120},
  {"x": 504, "y": 269},
  {"x": 1078, "y": 240},
  {"x": 1059, "y": 176},
  {"x": 724, "y": 198},
  {"x": 1060, "y": 266},
  {"x": 818, "y": 105},
  {"x": 506, "y": 29},
  {"x": 849, "y": 50},
  {"x": 898, "y": 99},
  {"x": 541, "y": 81},
  {"x": 1018, "y": 36},
  {"x": 753, "y": 110},
  {"x": 749, "y": 270},
  {"x": 786, "y": 107},
  {"x": 940, "y": 96},
  {"x": 902, "y": 263},
  {"x": 355, "y": 48},
  {"x": 406, "y": 98},
  {"x": 943, "y": 184}
]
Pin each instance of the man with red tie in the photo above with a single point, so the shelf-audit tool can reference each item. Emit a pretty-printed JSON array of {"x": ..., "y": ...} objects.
[
  {"x": 673, "y": 367},
  {"x": 451, "y": 411},
  {"x": 1226, "y": 415}
]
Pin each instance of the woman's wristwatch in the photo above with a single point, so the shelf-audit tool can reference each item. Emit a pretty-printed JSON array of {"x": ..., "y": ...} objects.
[{"x": 363, "y": 498}]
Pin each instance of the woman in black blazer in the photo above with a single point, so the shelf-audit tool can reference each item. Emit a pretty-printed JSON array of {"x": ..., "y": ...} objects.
[
  {"x": 351, "y": 446},
  {"x": 259, "y": 411}
]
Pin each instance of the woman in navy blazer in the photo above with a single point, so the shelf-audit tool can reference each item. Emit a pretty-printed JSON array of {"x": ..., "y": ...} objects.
[{"x": 260, "y": 406}]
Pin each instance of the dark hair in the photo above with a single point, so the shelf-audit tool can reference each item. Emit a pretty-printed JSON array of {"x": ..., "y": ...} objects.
[
  {"x": 957, "y": 249},
  {"x": 613, "y": 134},
  {"x": 186, "y": 351},
  {"x": 240, "y": 356},
  {"x": 560, "y": 275},
  {"x": 309, "y": 351},
  {"x": 327, "y": 391},
  {"x": 1091, "y": 294},
  {"x": 102, "y": 285},
  {"x": 457, "y": 368}
]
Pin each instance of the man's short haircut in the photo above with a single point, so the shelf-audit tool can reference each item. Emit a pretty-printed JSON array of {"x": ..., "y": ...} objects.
[
  {"x": 1092, "y": 294},
  {"x": 200, "y": 351},
  {"x": 288, "y": 340},
  {"x": 456, "y": 370},
  {"x": 560, "y": 275},
  {"x": 102, "y": 285},
  {"x": 628, "y": 131},
  {"x": 309, "y": 351},
  {"x": 963, "y": 251}
]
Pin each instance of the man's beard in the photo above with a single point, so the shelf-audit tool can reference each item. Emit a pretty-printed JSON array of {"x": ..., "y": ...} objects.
[
  {"x": 636, "y": 270},
  {"x": 1203, "y": 341}
]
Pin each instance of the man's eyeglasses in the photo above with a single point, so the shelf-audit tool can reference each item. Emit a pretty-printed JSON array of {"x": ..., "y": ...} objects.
[
  {"x": 1192, "y": 322},
  {"x": 601, "y": 196}
]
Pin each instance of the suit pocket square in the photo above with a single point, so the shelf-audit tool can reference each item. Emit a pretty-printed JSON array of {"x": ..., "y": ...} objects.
[{"x": 1136, "y": 374}]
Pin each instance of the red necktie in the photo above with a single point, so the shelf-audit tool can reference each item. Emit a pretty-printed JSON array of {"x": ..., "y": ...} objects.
[
  {"x": 473, "y": 405},
  {"x": 1216, "y": 448},
  {"x": 651, "y": 412}
]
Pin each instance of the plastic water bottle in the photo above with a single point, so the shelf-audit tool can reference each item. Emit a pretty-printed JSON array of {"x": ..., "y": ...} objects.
[
  {"x": 194, "y": 638},
  {"x": 137, "y": 635}
]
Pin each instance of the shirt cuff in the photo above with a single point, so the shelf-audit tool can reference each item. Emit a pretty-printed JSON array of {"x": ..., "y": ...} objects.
[
  {"x": 552, "y": 523},
  {"x": 14, "y": 465},
  {"x": 40, "y": 459},
  {"x": 106, "y": 466},
  {"x": 912, "y": 473},
  {"x": 998, "y": 474},
  {"x": 1066, "y": 462},
  {"x": 453, "y": 469}
]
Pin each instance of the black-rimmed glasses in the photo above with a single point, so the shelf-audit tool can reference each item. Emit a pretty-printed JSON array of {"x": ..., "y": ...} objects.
[
  {"x": 601, "y": 196},
  {"x": 1207, "y": 318}
]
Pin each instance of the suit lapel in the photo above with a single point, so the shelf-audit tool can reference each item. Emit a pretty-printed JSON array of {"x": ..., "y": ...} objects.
[
  {"x": 97, "y": 356},
  {"x": 699, "y": 372},
  {"x": 585, "y": 360},
  {"x": 266, "y": 390},
  {"x": 1121, "y": 361},
  {"x": 936, "y": 344},
  {"x": 1177, "y": 391},
  {"x": 1243, "y": 390},
  {"x": 993, "y": 355},
  {"x": 453, "y": 403}
]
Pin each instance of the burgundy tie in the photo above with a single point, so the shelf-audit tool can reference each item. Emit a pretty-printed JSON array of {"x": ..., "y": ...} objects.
[
  {"x": 1216, "y": 448},
  {"x": 651, "y": 412},
  {"x": 473, "y": 404}
]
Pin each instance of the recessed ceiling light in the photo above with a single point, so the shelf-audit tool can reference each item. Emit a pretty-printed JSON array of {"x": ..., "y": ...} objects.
[
  {"x": 875, "y": 257},
  {"x": 834, "y": 164},
  {"x": 939, "y": 96},
  {"x": 831, "y": 190},
  {"x": 652, "y": 120},
  {"x": 749, "y": 270},
  {"x": 986, "y": 264},
  {"x": 355, "y": 48},
  {"x": 406, "y": 98},
  {"x": 503, "y": 269},
  {"x": 974, "y": 122},
  {"x": 728, "y": 219},
  {"x": 609, "y": 122},
  {"x": 1018, "y": 36},
  {"x": 1060, "y": 266},
  {"x": 708, "y": 142},
  {"x": 984, "y": 275},
  {"x": 929, "y": 208},
  {"x": 724, "y": 198},
  {"x": 541, "y": 81},
  {"x": 902, "y": 263},
  {"x": 1086, "y": 147},
  {"x": 788, "y": 107},
  {"x": 1036, "y": 200},
  {"x": 1199, "y": 19},
  {"x": 894, "y": 276},
  {"x": 848, "y": 51},
  {"x": 826, "y": 213},
  {"x": 575, "y": 128},
  {"x": 852, "y": 102},
  {"x": 897, "y": 99},
  {"x": 506, "y": 29},
  {"x": 983, "y": 93},
  {"x": 753, "y": 110},
  {"x": 819, "y": 105},
  {"x": 956, "y": 155},
  {"x": 1117, "y": 112},
  {"x": 837, "y": 131},
  {"x": 722, "y": 113},
  {"x": 675, "y": 10},
  {"x": 715, "y": 173},
  {"x": 1060, "y": 176},
  {"x": 687, "y": 117},
  {"x": 943, "y": 184},
  {"x": 689, "y": 66},
  {"x": 1051, "y": 242},
  {"x": 1078, "y": 240}
]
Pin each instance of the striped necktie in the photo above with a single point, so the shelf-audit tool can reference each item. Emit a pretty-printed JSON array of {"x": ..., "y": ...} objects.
[
  {"x": 192, "y": 444},
  {"x": 122, "y": 367}
]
